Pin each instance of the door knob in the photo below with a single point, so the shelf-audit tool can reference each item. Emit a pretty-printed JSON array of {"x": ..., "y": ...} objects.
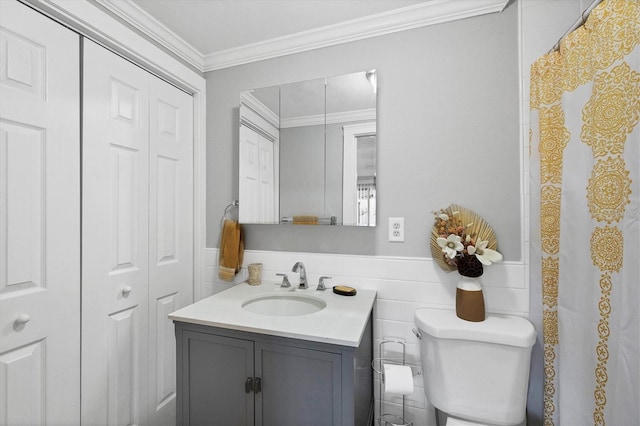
[
  {"x": 126, "y": 290},
  {"x": 22, "y": 319}
]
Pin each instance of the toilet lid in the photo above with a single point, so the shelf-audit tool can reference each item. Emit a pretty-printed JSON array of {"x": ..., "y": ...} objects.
[
  {"x": 501, "y": 329},
  {"x": 455, "y": 421}
]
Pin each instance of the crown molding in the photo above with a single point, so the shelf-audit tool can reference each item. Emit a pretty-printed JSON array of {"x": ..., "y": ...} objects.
[
  {"x": 331, "y": 118},
  {"x": 351, "y": 116},
  {"x": 406, "y": 18},
  {"x": 253, "y": 103},
  {"x": 401, "y": 19},
  {"x": 149, "y": 26}
]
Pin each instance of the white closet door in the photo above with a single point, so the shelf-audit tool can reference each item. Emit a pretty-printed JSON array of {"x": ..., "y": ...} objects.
[
  {"x": 249, "y": 187},
  {"x": 39, "y": 220},
  {"x": 257, "y": 177},
  {"x": 267, "y": 185},
  {"x": 170, "y": 237},
  {"x": 115, "y": 271}
]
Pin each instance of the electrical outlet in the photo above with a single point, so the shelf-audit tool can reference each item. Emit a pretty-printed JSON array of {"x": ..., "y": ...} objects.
[{"x": 396, "y": 229}]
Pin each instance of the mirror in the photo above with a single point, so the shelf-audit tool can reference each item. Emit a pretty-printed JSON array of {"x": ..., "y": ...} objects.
[{"x": 307, "y": 152}]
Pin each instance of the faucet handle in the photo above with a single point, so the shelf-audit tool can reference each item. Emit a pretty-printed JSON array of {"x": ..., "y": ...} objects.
[
  {"x": 321, "y": 285},
  {"x": 285, "y": 281}
]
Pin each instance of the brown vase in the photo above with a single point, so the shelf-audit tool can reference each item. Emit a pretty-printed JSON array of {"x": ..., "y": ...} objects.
[{"x": 469, "y": 299}]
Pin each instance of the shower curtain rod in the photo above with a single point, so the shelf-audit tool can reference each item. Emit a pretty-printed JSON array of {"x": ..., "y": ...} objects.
[{"x": 578, "y": 23}]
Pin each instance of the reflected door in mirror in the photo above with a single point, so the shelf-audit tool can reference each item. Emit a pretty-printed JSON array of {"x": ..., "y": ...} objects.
[{"x": 257, "y": 177}]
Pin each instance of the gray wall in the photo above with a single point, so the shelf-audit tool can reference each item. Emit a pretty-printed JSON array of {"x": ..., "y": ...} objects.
[
  {"x": 308, "y": 186},
  {"x": 448, "y": 132},
  {"x": 302, "y": 171}
]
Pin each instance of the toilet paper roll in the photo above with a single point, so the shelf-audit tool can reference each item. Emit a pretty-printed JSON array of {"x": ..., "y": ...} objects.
[{"x": 398, "y": 379}]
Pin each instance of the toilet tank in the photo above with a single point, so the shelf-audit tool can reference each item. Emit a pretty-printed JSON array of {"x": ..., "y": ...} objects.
[{"x": 476, "y": 370}]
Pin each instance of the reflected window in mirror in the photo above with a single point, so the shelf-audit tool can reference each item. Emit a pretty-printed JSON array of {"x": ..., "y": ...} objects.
[
  {"x": 359, "y": 174},
  {"x": 366, "y": 180}
]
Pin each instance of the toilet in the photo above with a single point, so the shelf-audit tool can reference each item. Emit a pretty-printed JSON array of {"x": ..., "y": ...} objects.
[{"x": 475, "y": 373}]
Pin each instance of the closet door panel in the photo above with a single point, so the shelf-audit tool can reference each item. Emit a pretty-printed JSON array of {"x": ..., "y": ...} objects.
[
  {"x": 267, "y": 184},
  {"x": 170, "y": 236},
  {"x": 249, "y": 170},
  {"x": 39, "y": 219},
  {"x": 115, "y": 239}
]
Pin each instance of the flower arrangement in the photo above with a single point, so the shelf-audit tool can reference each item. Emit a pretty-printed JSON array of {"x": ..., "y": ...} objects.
[{"x": 462, "y": 240}]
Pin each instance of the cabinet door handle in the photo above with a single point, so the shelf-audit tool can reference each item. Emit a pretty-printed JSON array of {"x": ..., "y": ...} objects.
[
  {"x": 248, "y": 385},
  {"x": 257, "y": 387}
]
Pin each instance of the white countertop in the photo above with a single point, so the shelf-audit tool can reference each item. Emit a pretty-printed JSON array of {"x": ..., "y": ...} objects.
[{"x": 341, "y": 322}]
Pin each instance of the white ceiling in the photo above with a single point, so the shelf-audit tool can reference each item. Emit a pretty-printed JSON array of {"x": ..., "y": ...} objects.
[
  {"x": 215, "y": 34},
  {"x": 215, "y": 25}
]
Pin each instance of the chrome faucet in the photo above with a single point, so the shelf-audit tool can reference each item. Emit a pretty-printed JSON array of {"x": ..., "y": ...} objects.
[
  {"x": 299, "y": 266},
  {"x": 321, "y": 285},
  {"x": 285, "y": 281}
]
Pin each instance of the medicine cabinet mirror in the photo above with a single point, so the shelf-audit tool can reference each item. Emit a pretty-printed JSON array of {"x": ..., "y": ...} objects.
[{"x": 307, "y": 152}]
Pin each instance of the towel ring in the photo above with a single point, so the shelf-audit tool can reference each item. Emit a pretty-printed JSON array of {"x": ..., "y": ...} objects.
[{"x": 235, "y": 203}]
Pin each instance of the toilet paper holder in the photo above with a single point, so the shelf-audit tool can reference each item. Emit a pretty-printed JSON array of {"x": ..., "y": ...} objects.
[{"x": 391, "y": 419}]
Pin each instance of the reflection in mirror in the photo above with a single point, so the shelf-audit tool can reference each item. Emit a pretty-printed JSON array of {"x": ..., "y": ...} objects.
[
  {"x": 308, "y": 152},
  {"x": 258, "y": 156},
  {"x": 302, "y": 149},
  {"x": 366, "y": 167}
]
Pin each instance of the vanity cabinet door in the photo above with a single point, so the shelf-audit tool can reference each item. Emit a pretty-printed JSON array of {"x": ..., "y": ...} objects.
[
  {"x": 299, "y": 386},
  {"x": 214, "y": 371},
  {"x": 293, "y": 382}
]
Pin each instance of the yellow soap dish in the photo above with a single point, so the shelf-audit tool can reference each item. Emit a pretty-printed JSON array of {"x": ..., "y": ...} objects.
[{"x": 344, "y": 290}]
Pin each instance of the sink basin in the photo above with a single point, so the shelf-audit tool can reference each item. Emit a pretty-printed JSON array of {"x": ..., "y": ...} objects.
[{"x": 286, "y": 305}]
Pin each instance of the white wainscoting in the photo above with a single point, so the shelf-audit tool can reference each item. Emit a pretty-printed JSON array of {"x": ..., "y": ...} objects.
[{"x": 403, "y": 284}]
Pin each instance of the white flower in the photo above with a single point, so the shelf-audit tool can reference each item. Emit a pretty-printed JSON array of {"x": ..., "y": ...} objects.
[
  {"x": 450, "y": 245},
  {"x": 485, "y": 256},
  {"x": 443, "y": 216}
]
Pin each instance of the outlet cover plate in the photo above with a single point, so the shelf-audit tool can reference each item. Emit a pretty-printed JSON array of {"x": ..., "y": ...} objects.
[{"x": 396, "y": 229}]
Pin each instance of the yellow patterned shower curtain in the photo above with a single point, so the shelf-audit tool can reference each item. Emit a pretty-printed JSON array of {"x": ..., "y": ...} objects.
[{"x": 585, "y": 218}]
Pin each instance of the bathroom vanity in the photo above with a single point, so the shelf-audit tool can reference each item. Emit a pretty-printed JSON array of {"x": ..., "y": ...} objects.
[{"x": 253, "y": 355}]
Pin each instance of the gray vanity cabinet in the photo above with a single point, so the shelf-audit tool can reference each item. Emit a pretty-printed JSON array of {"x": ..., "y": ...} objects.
[
  {"x": 297, "y": 386},
  {"x": 230, "y": 378},
  {"x": 213, "y": 373}
]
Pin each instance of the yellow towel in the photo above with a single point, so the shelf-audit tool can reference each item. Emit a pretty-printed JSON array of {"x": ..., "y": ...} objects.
[
  {"x": 231, "y": 250},
  {"x": 305, "y": 220}
]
